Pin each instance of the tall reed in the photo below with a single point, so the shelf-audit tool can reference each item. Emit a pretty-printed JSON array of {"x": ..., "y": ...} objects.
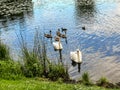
[
  {"x": 36, "y": 62},
  {"x": 86, "y": 79},
  {"x": 4, "y": 52}
]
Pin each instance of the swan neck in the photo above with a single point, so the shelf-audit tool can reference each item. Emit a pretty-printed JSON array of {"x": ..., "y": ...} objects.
[
  {"x": 65, "y": 32},
  {"x": 50, "y": 32},
  {"x": 78, "y": 55}
]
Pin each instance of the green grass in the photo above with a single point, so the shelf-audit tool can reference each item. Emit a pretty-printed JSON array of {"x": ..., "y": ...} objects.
[{"x": 40, "y": 84}]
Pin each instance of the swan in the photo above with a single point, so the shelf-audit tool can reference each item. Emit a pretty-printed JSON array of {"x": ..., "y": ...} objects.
[
  {"x": 63, "y": 36},
  {"x": 83, "y": 28},
  {"x": 64, "y": 29},
  {"x": 48, "y": 35},
  {"x": 76, "y": 56},
  {"x": 57, "y": 45},
  {"x": 57, "y": 38},
  {"x": 58, "y": 33}
]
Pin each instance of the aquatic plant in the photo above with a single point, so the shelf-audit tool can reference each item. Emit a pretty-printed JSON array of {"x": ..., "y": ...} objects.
[
  {"x": 57, "y": 71},
  {"x": 102, "y": 81},
  {"x": 86, "y": 79},
  {"x": 36, "y": 62},
  {"x": 34, "y": 59}
]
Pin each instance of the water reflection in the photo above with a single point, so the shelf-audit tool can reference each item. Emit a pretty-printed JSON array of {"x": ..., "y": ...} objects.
[
  {"x": 66, "y": 40},
  {"x": 60, "y": 53},
  {"x": 88, "y": 3},
  {"x": 85, "y": 13},
  {"x": 79, "y": 65},
  {"x": 4, "y": 25}
]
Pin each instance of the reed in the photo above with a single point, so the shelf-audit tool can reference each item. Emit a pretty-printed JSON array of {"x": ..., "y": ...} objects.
[
  {"x": 36, "y": 62},
  {"x": 4, "y": 52},
  {"x": 57, "y": 72},
  {"x": 34, "y": 59},
  {"x": 86, "y": 79}
]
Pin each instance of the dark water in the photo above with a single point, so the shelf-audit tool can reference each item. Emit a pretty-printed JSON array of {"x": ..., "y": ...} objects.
[{"x": 99, "y": 43}]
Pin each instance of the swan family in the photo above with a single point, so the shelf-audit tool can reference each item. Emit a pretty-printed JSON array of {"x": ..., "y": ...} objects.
[{"x": 75, "y": 56}]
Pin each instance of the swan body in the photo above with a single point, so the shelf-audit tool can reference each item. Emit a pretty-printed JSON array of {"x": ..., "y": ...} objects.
[
  {"x": 48, "y": 35},
  {"x": 57, "y": 46},
  {"x": 58, "y": 33},
  {"x": 76, "y": 56},
  {"x": 57, "y": 38},
  {"x": 83, "y": 28},
  {"x": 63, "y": 36},
  {"x": 64, "y": 29}
]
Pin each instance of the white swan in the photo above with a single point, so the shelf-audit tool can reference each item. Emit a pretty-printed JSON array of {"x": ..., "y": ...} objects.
[
  {"x": 76, "y": 56},
  {"x": 57, "y": 45}
]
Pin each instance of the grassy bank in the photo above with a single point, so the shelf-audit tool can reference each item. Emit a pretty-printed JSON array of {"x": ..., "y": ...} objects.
[{"x": 41, "y": 84}]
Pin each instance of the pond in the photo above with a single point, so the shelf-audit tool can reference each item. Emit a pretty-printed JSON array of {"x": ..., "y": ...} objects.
[{"x": 99, "y": 43}]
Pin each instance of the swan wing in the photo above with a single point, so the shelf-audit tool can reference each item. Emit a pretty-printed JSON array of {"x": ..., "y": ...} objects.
[
  {"x": 57, "y": 45},
  {"x": 74, "y": 57},
  {"x": 61, "y": 47}
]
